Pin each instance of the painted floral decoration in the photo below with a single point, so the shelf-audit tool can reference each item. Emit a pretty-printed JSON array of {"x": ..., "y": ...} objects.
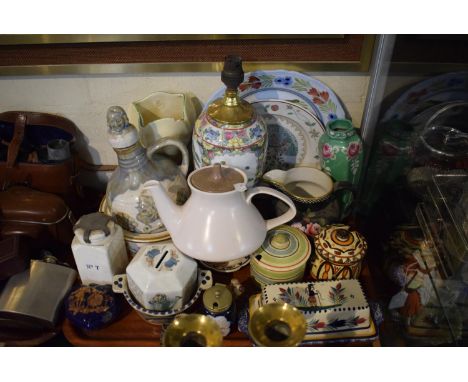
[
  {"x": 327, "y": 151},
  {"x": 335, "y": 323},
  {"x": 336, "y": 294},
  {"x": 298, "y": 297},
  {"x": 318, "y": 98},
  {"x": 223, "y": 324},
  {"x": 284, "y": 81},
  {"x": 415, "y": 96},
  {"x": 252, "y": 82},
  {"x": 255, "y": 133},
  {"x": 353, "y": 149},
  {"x": 212, "y": 134},
  {"x": 310, "y": 229}
]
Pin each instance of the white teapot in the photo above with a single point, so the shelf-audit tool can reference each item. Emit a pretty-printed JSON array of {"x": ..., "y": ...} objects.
[{"x": 218, "y": 222}]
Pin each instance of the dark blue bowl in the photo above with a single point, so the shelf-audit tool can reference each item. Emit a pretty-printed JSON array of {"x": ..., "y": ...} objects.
[{"x": 92, "y": 307}]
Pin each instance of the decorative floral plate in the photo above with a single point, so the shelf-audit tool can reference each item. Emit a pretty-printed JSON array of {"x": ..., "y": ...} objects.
[
  {"x": 303, "y": 107},
  {"x": 427, "y": 93},
  {"x": 293, "y": 134},
  {"x": 294, "y": 87}
]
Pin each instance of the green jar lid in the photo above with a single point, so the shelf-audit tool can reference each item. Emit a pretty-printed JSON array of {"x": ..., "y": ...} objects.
[{"x": 284, "y": 249}]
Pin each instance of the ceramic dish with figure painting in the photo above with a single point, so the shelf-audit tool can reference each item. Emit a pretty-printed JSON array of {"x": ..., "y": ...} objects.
[{"x": 295, "y": 107}]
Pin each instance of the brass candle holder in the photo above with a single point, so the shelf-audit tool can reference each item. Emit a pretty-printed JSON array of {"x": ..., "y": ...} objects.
[
  {"x": 193, "y": 330},
  {"x": 277, "y": 325}
]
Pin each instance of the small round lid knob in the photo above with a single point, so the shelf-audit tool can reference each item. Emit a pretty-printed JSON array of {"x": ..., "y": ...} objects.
[
  {"x": 280, "y": 241},
  {"x": 343, "y": 234}
]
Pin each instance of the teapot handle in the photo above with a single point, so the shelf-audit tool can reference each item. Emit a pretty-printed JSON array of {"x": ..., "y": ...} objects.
[
  {"x": 282, "y": 219},
  {"x": 171, "y": 142}
]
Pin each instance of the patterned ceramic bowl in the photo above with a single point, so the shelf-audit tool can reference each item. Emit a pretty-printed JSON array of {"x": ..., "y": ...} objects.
[{"x": 205, "y": 281}]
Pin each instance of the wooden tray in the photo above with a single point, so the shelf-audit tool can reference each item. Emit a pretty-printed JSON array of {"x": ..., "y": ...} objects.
[{"x": 132, "y": 330}]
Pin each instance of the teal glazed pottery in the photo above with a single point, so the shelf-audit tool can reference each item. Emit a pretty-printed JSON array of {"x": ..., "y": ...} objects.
[{"x": 341, "y": 155}]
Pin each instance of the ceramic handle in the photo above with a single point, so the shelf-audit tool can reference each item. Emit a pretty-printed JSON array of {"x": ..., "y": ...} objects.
[
  {"x": 282, "y": 219},
  {"x": 172, "y": 142}
]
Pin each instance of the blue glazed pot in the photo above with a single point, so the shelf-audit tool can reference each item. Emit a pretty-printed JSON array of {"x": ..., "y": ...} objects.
[{"x": 92, "y": 307}]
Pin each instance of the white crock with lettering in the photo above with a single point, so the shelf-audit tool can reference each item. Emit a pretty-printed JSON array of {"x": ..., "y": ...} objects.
[{"x": 99, "y": 249}]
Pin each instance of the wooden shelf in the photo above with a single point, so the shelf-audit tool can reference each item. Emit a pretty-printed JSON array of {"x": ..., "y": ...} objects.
[{"x": 132, "y": 330}]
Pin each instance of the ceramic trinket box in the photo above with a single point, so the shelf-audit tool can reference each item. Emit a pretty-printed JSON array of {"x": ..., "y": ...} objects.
[
  {"x": 92, "y": 307},
  {"x": 338, "y": 253},
  {"x": 162, "y": 278},
  {"x": 155, "y": 317},
  {"x": 330, "y": 307},
  {"x": 218, "y": 302},
  {"x": 282, "y": 256}
]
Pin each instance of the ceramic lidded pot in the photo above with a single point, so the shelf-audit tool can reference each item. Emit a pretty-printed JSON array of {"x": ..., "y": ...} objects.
[
  {"x": 162, "y": 278},
  {"x": 338, "y": 253},
  {"x": 341, "y": 154},
  {"x": 92, "y": 307},
  {"x": 229, "y": 131},
  {"x": 218, "y": 302},
  {"x": 282, "y": 256}
]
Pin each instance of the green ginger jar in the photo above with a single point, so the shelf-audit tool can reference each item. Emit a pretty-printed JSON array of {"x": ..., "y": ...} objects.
[{"x": 341, "y": 156}]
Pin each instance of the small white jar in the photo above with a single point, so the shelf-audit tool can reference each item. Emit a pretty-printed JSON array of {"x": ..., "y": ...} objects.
[{"x": 99, "y": 255}]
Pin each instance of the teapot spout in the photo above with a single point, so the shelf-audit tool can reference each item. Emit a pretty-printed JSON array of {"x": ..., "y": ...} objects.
[{"x": 169, "y": 212}]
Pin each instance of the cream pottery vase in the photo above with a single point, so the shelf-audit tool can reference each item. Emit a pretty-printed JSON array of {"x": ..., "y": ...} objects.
[
  {"x": 164, "y": 115},
  {"x": 217, "y": 226}
]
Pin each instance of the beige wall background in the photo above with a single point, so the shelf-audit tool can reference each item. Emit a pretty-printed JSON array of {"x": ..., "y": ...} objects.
[{"x": 85, "y": 99}]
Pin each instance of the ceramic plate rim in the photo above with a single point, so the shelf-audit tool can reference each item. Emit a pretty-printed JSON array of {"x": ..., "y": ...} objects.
[
  {"x": 340, "y": 111},
  {"x": 425, "y": 83},
  {"x": 311, "y": 144}
]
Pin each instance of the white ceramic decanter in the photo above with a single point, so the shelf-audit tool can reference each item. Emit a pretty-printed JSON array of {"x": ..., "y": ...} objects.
[{"x": 130, "y": 205}]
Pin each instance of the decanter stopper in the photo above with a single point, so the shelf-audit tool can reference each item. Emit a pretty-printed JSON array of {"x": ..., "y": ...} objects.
[{"x": 121, "y": 133}]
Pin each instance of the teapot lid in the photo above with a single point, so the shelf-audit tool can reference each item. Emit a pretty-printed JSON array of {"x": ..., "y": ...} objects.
[{"x": 216, "y": 178}]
